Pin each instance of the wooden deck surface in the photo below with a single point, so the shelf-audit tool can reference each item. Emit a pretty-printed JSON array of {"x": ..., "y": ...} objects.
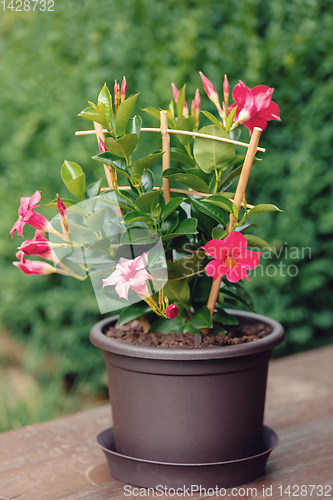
[{"x": 60, "y": 460}]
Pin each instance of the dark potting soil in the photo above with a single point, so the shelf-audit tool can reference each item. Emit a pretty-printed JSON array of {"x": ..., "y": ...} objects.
[{"x": 246, "y": 331}]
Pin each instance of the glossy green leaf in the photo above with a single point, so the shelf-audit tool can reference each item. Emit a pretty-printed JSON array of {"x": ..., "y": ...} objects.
[
  {"x": 163, "y": 325},
  {"x": 187, "y": 226},
  {"x": 223, "y": 317},
  {"x": 92, "y": 115},
  {"x": 141, "y": 165},
  {"x": 186, "y": 124},
  {"x": 263, "y": 208},
  {"x": 177, "y": 291},
  {"x": 210, "y": 154},
  {"x": 171, "y": 207},
  {"x": 114, "y": 161},
  {"x": 95, "y": 220},
  {"x": 189, "y": 264},
  {"x": 218, "y": 233},
  {"x": 202, "y": 319},
  {"x": 211, "y": 118},
  {"x": 213, "y": 211},
  {"x": 132, "y": 312},
  {"x": 105, "y": 103},
  {"x": 94, "y": 189},
  {"x": 122, "y": 147},
  {"x": 230, "y": 119},
  {"x": 187, "y": 179},
  {"x": 123, "y": 114},
  {"x": 170, "y": 223},
  {"x": 134, "y": 125},
  {"x": 81, "y": 234},
  {"x": 153, "y": 112},
  {"x": 231, "y": 176},
  {"x": 256, "y": 242},
  {"x": 220, "y": 201},
  {"x": 69, "y": 171},
  {"x": 180, "y": 157},
  {"x": 78, "y": 186},
  {"x": 147, "y": 202},
  {"x": 136, "y": 215},
  {"x": 147, "y": 181}
]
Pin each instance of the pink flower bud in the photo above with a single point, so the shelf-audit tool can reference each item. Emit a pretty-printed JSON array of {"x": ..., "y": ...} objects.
[
  {"x": 115, "y": 89},
  {"x": 34, "y": 267},
  {"x": 211, "y": 92},
  {"x": 61, "y": 207},
  {"x": 123, "y": 89},
  {"x": 175, "y": 92},
  {"x": 37, "y": 246},
  {"x": 171, "y": 311},
  {"x": 226, "y": 90},
  {"x": 102, "y": 147}
]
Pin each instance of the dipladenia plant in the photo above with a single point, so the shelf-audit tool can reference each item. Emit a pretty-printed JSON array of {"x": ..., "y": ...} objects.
[{"x": 164, "y": 258}]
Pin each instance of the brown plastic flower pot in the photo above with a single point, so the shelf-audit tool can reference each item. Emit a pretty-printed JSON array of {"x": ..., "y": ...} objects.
[{"x": 188, "y": 406}]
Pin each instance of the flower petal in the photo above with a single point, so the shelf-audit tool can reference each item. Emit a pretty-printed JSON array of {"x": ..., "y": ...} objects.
[
  {"x": 237, "y": 273},
  {"x": 236, "y": 243},
  {"x": 272, "y": 112},
  {"x": 122, "y": 289},
  {"x": 216, "y": 268},
  {"x": 140, "y": 262},
  {"x": 262, "y": 96},
  {"x": 217, "y": 249},
  {"x": 114, "y": 278},
  {"x": 248, "y": 259}
]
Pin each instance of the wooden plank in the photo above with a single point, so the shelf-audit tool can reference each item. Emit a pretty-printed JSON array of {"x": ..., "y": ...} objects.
[{"x": 60, "y": 459}]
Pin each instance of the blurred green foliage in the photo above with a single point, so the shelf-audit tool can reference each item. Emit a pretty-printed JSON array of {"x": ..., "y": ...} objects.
[{"x": 52, "y": 62}]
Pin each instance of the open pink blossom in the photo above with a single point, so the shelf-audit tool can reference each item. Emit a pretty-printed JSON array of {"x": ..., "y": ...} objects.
[
  {"x": 230, "y": 257},
  {"x": 40, "y": 268},
  {"x": 27, "y": 215},
  {"x": 254, "y": 107},
  {"x": 130, "y": 274}
]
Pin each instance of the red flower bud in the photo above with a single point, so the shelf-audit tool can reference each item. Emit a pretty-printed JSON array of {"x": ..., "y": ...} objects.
[
  {"x": 226, "y": 89},
  {"x": 123, "y": 89},
  {"x": 171, "y": 311},
  {"x": 102, "y": 147}
]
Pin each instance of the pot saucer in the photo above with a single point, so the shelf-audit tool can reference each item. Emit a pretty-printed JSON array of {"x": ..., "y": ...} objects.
[{"x": 164, "y": 475}]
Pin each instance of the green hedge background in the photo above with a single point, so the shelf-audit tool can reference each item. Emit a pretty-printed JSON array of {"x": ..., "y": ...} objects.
[{"x": 52, "y": 62}]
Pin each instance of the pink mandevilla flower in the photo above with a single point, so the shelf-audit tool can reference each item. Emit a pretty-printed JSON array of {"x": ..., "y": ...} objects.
[
  {"x": 130, "y": 274},
  {"x": 27, "y": 215},
  {"x": 33, "y": 266},
  {"x": 254, "y": 107},
  {"x": 230, "y": 257},
  {"x": 39, "y": 245}
]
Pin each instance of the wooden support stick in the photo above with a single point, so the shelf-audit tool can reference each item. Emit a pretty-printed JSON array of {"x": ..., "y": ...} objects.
[
  {"x": 239, "y": 197},
  {"x": 166, "y": 155}
]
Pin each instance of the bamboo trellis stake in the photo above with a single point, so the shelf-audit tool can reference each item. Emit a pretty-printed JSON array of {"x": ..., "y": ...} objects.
[
  {"x": 241, "y": 186},
  {"x": 239, "y": 197}
]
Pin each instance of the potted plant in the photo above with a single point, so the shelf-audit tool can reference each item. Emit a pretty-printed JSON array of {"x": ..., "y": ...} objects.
[{"x": 165, "y": 245}]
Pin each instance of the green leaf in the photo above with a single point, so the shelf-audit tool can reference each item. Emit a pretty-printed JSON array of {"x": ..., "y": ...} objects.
[
  {"x": 153, "y": 112},
  {"x": 186, "y": 124},
  {"x": 171, "y": 207},
  {"x": 202, "y": 319},
  {"x": 94, "y": 189},
  {"x": 95, "y": 220},
  {"x": 189, "y": 264},
  {"x": 255, "y": 242},
  {"x": 236, "y": 291},
  {"x": 263, "y": 208},
  {"x": 122, "y": 147},
  {"x": 211, "y": 118},
  {"x": 114, "y": 161},
  {"x": 134, "y": 125},
  {"x": 212, "y": 155},
  {"x": 213, "y": 211},
  {"x": 177, "y": 291},
  {"x": 136, "y": 215},
  {"x": 123, "y": 114},
  {"x": 181, "y": 101},
  {"x": 69, "y": 171},
  {"x": 147, "y": 202},
  {"x": 163, "y": 325},
  {"x": 92, "y": 115},
  {"x": 132, "y": 312},
  {"x": 230, "y": 119},
  {"x": 189, "y": 180},
  {"x": 81, "y": 234},
  {"x": 78, "y": 186},
  {"x": 223, "y": 317},
  {"x": 147, "y": 181},
  {"x": 170, "y": 223},
  {"x": 141, "y": 165},
  {"x": 220, "y": 201},
  {"x": 187, "y": 226},
  {"x": 66, "y": 201},
  {"x": 180, "y": 157},
  {"x": 105, "y": 103},
  {"x": 218, "y": 233}
]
